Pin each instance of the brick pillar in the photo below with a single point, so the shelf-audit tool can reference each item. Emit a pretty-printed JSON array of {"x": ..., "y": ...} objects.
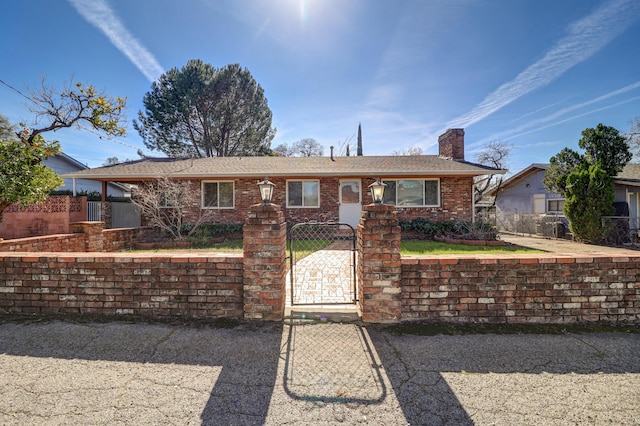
[
  {"x": 265, "y": 268},
  {"x": 93, "y": 240},
  {"x": 379, "y": 266},
  {"x": 105, "y": 210}
]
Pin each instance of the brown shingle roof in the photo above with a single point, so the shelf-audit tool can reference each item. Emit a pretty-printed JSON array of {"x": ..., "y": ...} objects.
[
  {"x": 630, "y": 172},
  {"x": 224, "y": 167}
]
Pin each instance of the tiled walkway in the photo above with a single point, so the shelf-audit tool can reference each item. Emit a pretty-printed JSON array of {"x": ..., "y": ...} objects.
[{"x": 324, "y": 277}]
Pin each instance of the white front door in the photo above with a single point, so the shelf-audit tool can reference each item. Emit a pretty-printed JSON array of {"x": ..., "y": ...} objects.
[{"x": 350, "y": 201}]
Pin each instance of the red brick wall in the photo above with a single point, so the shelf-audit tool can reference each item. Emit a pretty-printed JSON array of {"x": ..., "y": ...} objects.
[
  {"x": 48, "y": 243},
  {"x": 122, "y": 284},
  {"x": 49, "y": 218},
  {"x": 456, "y": 196},
  {"x": 451, "y": 144},
  {"x": 544, "y": 289},
  {"x": 96, "y": 239}
]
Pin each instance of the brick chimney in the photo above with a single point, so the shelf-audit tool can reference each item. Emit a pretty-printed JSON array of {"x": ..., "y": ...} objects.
[{"x": 451, "y": 144}]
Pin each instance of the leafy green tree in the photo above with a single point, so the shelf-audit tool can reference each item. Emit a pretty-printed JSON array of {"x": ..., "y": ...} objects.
[
  {"x": 602, "y": 145},
  {"x": 605, "y": 146},
  {"x": 204, "y": 111},
  {"x": 586, "y": 180},
  {"x": 73, "y": 106},
  {"x": 24, "y": 179},
  {"x": 589, "y": 195},
  {"x": 560, "y": 165}
]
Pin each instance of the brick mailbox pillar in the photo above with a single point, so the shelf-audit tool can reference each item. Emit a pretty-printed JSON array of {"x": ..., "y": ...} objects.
[
  {"x": 265, "y": 268},
  {"x": 379, "y": 266}
]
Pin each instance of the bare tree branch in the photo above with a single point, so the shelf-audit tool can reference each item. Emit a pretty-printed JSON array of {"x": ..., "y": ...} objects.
[{"x": 174, "y": 206}]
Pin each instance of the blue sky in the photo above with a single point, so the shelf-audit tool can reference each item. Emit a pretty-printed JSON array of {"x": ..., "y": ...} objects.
[{"x": 533, "y": 73}]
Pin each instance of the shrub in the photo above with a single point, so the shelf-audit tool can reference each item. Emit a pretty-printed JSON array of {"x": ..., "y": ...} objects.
[
  {"x": 204, "y": 233},
  {"x": 460, "y": 229}
]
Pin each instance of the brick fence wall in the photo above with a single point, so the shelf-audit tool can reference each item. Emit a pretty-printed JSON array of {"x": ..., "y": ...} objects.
[
  {"x": 86, "y": 236},
  {"x": 51, "y": 217},
  {"x": 49, "y": 243},
  {"x": 543, "y": 289},
  {"x": 119, "y": 284},
  {"x": 499, "y": 289}
]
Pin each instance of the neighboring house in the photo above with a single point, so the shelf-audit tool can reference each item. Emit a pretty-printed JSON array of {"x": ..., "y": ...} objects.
[
  {"x": 436, "y": 187},
  {"x": 524, "y": 194},
  {"x": 63, "y": 164},
  {"x": 627, "y": 187}
]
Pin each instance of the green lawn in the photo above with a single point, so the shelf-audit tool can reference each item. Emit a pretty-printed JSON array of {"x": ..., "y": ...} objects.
[{"x": 417, "y": 247}]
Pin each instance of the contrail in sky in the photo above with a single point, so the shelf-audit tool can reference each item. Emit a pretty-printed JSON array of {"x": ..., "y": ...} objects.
[
  {"x": 541, "y": 123},
  {"x": 100, "y": 14},
  {"x": 586, "y": 37}
]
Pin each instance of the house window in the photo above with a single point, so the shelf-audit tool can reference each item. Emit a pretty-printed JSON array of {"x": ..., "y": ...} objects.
[
  {"x": 555, "y": 206},
  {"x": 412, "y": 193},
  {"x": 166, "y": 201},
  {"x": 303, "y": 193},
  {"x": 217, "y": 195}
]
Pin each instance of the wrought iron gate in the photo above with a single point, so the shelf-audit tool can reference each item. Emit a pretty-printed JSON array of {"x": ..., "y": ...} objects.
[{"x": 322, "y": 259}]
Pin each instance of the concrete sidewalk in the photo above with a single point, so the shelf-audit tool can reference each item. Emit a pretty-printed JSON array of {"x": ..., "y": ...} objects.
[
  {"x": 566, "y": 247},
  {"x": 311, "y": 373}
]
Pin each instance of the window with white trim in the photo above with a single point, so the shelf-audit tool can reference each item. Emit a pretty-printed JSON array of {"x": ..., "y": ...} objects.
[
  {"x": 303, "y": 193},
  {"x": 412, "y": 192},
  {"x": 217, "y": 195},
  {"x": 555, "y": 206}
]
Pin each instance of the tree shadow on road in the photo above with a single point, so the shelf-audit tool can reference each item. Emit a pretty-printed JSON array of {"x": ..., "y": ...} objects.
[
  {"x": 244, "y": 359},
  {"x": 423, "y": 369}
]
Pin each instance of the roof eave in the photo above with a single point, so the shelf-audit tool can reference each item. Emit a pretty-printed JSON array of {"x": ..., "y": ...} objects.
[{"x": 387, "y": 173}]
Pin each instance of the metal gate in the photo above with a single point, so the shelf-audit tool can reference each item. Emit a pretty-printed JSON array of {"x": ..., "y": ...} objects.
[{"x": 322, "y": 259}]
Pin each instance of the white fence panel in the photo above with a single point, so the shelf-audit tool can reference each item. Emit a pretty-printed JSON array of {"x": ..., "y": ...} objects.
[{"x": 94, "y": 211}]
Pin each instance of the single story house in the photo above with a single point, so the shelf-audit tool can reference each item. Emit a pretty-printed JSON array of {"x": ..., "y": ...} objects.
[
  {"x": 63, "y": 164},
  {"x": 333, "y": 188},
  {"x": 525, "y": 194}
]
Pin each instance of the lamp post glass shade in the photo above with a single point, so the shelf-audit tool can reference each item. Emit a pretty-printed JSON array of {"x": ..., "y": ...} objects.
[
  {"x": 377, "y": 191},
  {"x": 266, "y": 190}
]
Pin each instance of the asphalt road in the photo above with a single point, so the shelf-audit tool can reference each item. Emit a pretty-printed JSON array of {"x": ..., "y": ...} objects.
[{"x": 55, "y": 373}]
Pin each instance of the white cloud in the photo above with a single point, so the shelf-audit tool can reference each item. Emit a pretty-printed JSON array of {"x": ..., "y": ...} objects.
[
  {"x": 99, "y": 14},
  {"x": 586, "y": 37}
]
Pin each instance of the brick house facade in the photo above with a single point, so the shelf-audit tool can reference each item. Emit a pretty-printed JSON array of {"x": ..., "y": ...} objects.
[{"x": 436, "y": 187}]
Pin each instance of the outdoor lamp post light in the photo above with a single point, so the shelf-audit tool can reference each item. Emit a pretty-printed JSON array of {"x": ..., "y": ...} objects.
[
  {"x": 266, "y": 190},
  {"x": 377, "y": 191}
]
